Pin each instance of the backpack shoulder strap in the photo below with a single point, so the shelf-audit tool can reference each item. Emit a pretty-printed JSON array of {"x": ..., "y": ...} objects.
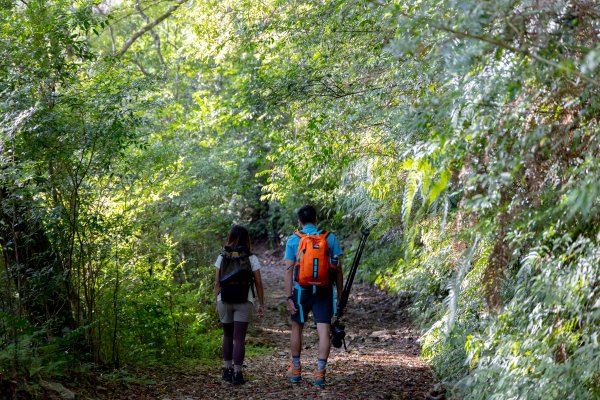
[{"x": 301, "y": 235}]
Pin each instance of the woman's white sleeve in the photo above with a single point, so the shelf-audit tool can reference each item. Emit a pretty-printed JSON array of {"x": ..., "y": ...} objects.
[{"x": 255, "y": 263}]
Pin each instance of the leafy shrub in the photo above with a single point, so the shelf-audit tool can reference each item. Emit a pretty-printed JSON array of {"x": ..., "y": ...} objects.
[{"x": 544, "y": 345}]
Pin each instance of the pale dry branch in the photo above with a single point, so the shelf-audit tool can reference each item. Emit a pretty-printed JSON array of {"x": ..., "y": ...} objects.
[{"x": 149, "y": 27}]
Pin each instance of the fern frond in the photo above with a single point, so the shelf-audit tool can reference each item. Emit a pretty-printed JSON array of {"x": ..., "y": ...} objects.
[
  {"x": 445, "y": 210},
  {"x": 455, "y": 285},
  {"x": 530, "y": 262},
  {"x": 410, "y": 190}
]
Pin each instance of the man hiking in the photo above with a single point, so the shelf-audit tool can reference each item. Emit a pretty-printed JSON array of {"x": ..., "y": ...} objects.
[{"x": 312, "y": 268}]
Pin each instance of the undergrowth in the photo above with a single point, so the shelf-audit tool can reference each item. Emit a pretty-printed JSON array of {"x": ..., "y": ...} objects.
[{"x": 544, "y": 342}]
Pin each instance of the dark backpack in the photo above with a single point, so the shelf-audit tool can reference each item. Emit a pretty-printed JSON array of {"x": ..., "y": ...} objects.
[{"x": 235, "y": 275}]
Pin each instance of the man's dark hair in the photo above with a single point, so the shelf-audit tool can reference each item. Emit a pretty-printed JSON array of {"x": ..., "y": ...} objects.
[{"x": 307, "y": 215}]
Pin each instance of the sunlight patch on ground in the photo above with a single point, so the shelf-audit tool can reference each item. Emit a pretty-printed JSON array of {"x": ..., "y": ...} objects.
[{"x": 275, "y": 330}]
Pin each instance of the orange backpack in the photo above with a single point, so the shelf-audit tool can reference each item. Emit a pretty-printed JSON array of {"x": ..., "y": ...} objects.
[{"x": 313, "y": 260}]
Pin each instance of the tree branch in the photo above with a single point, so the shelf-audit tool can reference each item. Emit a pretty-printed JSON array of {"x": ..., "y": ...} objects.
[
  {"x": 142, "y": 69},
  {"x": 112, "y": 38},
  {"x": 517, "y": 50},
  {"x": 148, "y": 27},
  {"x": 154, "y": 35}
]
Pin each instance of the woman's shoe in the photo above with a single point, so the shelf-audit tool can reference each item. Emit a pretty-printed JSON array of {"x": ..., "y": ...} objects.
[
  {"x": 238, "y": 378},
  {"x": 227, "y": 374}
]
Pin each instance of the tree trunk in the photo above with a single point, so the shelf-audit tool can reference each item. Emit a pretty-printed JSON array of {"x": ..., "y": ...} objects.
[{"x": 497, "y": 262}]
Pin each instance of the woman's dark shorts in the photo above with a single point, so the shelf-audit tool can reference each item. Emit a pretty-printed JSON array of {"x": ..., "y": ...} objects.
[{"x": 319, "y": 300}]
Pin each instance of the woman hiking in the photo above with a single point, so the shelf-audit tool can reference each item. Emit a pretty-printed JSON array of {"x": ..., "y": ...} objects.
[{"x": 237, "y": 275}]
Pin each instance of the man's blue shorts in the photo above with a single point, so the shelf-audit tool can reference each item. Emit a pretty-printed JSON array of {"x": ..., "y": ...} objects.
[{"x": 320, "y": 300}]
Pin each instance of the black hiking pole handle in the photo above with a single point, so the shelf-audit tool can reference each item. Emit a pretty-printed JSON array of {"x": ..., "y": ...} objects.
[{"x": 346, "y": 292}]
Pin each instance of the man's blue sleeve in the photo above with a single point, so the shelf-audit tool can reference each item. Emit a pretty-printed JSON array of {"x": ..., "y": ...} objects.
[
  {"x": 290, "y": 253},
  {"x": 334, "y": 245}
]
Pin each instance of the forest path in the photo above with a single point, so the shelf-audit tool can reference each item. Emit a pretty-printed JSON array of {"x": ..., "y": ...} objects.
[{"x": 382, "y": 361}]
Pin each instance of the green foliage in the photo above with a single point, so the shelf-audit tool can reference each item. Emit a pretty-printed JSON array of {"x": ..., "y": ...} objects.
[
  {"x": 472, "y": 130},
  {"x": 467, "y": 130},
  {"x": 556, "y": 303},
  {"x": 32, "y": 355}
]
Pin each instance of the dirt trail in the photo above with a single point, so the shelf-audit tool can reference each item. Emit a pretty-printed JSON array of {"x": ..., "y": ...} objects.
[{"x": 382, "y": 361}]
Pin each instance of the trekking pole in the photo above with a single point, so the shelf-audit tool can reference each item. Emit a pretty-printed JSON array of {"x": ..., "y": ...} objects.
[
  {"x": 338, "y": 332},
  {"x": 346, "y": 292}
]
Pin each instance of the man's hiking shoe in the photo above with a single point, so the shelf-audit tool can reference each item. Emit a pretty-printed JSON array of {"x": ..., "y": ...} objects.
[
  {"x": 319, "y": 377},
  {"x": 227, "y": 374},
  {"x": 294, "y": 374},
  {"x": 238, "y": 378}
]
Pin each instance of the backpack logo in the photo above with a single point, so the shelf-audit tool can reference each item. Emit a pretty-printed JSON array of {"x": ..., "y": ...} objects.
[
  {"x": 235, "y": 275},
  {"x": 313, "y": 266}
]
